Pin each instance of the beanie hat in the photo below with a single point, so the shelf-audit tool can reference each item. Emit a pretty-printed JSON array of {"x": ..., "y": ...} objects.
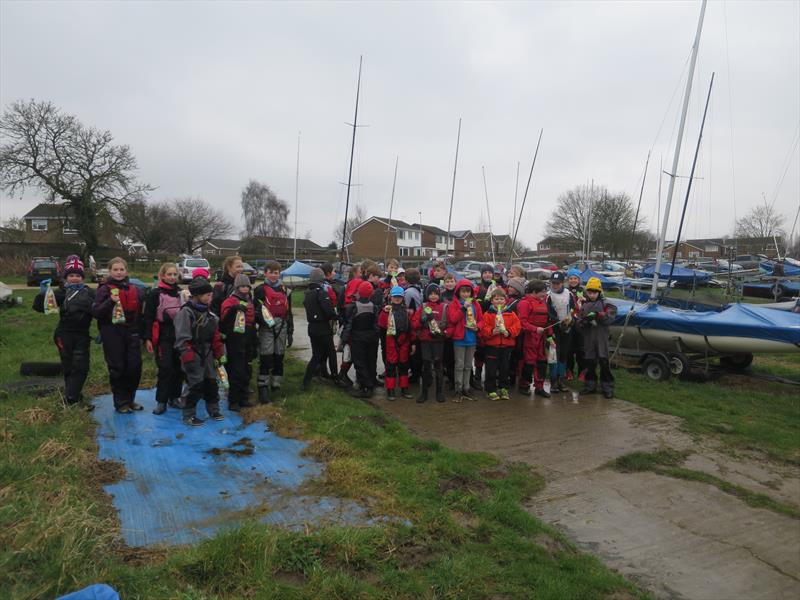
[
  {"x": 200, "y": 272},
  {"x": 316, "y": 275},
  {"x": 241, "y": 280},
  {"x": 573, "y": 272},
  {"x": 432, "y": 288},
  {"x": 517, "y": 284},
  {"x": 558, "y": 277},
  {"x": 365, "y": 289},
  {"x": 485, "y": 268},
  {"x": 594, "y": 284},
  {"x": 73, "y": 265},
  {"x": 397, "y": 291},
  {"x": 200, "y": 286}
]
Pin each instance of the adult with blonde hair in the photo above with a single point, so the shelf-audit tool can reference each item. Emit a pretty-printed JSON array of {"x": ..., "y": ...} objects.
[{"x": 231, "y": 267}]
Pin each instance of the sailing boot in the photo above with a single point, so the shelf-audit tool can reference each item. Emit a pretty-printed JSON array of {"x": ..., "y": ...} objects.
[
  {"x": 391, "y": 395},
  {"x": 160, "y": 408},
  {"x": 263, "y": 394},
  {"x": 439, "y": 388},
  {"x": 475, "y": 379},
  {"x": 423, "y": 394}
]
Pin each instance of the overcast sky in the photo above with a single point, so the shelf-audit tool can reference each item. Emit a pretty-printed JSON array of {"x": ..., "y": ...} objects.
[{"x": 211, "y": 94}]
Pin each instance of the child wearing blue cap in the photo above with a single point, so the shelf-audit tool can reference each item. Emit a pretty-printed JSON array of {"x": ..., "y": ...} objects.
[{"x": 395, "y": 321}]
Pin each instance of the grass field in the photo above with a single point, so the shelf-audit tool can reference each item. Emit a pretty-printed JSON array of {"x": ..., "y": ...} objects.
[{"x": 469, "y": 536}]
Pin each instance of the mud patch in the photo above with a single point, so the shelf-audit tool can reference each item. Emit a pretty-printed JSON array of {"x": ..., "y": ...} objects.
[
  {"x": 466, "y": 520},
  {"x": 325, "y": 450},
  {"x": 104, "y": 472},
  {"x": 276, "y": 421},
  {"x": 460, "y": 483},
  {"x": 377, "y": 420},
  {"x": 241, "y": 447},
  {"x": 412, "y": 555},
  {"x": 552, "y": 546}
]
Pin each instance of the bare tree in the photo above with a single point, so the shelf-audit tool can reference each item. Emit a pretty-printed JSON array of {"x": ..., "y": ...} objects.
[
  {"x": 357, "y": 216},
  {"x": 265, "y": 215},
  {"x": 15, "y": 229},
  {"x": 56, "y": 154},
  {"x": 761, "y": 222},
  {"x": 151, "y": 224},
  {"x": 197, "y": 222}
]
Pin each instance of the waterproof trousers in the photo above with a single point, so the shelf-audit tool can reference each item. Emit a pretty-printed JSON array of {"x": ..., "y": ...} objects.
[
  {"x": 73, "y": 349},
  {"x": 122, "y": 348}
]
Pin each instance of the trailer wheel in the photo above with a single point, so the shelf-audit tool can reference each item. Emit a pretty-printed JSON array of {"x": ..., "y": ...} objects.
[
  {"x": 678, "y": 364},
  {"x": 736, "y": 362},
  {"x": 656, "y": 368},
  {"x": 40, "y": 369}
]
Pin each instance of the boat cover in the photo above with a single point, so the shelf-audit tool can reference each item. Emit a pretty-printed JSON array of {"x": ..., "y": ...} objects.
[
  {"x": 737, "y": 320},
  {"x": 608, "y": 282},
  {"x": 297, "y": 269},
  {"x": 790, "y": 287},
  {"x": 641, "y": 296},
  {"x": 788, "y": 269},
  {"x": 680, "y": 274}
]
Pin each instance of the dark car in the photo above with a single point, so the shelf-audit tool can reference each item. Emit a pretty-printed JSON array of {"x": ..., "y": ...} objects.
[
  {"x": 42, "y": 268},
  {"x": 749, "y": 261}
]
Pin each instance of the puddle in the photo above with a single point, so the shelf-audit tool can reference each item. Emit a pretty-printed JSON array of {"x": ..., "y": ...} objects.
[{"x": 183, "y": 484}]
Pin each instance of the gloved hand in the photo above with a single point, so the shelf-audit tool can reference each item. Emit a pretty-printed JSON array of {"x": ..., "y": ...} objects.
[
  {"x": 223, "y": 359},
  {"x": 591, "y": 316},
  {"x": 43, "y": 285},
  {"x": 289, "y": 341}
]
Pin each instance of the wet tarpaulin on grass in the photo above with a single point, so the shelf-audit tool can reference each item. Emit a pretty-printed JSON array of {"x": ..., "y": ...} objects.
[{"x": 183, "y": 484}]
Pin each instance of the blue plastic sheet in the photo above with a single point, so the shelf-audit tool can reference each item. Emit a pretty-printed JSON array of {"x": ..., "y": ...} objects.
[
  {"x": 98, "y": 591},
  {"x": 787, "y": 270},
  {"x": 297, "y": 269},
  {"x": 183, "y": 484},
  {"x": 680, "y": 274},
  {"x": 608, "y": 282},
  {"x": 736, "y": 320}
]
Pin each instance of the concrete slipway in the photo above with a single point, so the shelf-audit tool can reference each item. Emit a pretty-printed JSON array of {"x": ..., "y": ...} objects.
[{"x": 675, "y": 538}]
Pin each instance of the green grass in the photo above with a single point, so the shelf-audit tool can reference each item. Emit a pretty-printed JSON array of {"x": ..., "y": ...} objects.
[
  {"x": 669, "y": 462},
  {"x": 745, "y": 413},
  {"x": 469, "y": 535}
]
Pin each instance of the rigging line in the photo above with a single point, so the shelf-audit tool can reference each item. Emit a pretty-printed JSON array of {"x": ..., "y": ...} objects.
[
  {"x": 672, "y": 99},
  {"x": 730, "y": 107},
  {"x": 788, "y": 163}
]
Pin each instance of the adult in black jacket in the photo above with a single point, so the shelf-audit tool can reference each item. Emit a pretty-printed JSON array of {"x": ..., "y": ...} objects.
[
  {"x": 231, "y": 267},
  {"x": 71, "y": 336},
  {"x": 319, "y": 314}
]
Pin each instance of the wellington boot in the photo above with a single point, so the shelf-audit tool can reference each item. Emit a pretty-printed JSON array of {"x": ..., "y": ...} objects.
[{"x": 263, "y": 394}]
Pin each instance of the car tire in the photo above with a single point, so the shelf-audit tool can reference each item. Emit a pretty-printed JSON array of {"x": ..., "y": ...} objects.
[{"x": 40, "y": 369}]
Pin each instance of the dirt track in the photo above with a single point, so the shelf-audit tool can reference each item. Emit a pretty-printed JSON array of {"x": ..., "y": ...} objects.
[{"x": 677, "y": 539}]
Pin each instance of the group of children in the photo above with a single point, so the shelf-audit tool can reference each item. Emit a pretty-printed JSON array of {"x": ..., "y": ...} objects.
[{"x": 454, "y": 330}]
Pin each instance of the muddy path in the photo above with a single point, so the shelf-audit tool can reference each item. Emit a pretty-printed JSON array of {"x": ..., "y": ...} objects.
[{"x": 675, "y": 538}]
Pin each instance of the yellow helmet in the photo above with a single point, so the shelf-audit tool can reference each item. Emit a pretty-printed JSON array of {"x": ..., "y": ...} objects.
[{"x": 594, "y": 284}]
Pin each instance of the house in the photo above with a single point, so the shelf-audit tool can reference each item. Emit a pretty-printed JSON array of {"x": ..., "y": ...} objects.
[
  {"x": 685, "y": 250},
  {"x": 555, "y": 246},
  {"x": 276, "y": 247},
  {"x": 378, "y": 236},
  {"x": 220, "y": 247},
  {"x": 483, "y": 246},
  {"x": 464, "y": 243},
  {"x": 54, "y": 222}
]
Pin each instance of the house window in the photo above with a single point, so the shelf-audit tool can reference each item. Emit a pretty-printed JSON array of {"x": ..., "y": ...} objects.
[
  {"x": 472, "y": 244},
  {"x": 693, "y": 254},
  {"x": 401, "y": 235},
  {"x": 39, "y": 224},
  {"x": 416, "y": 235}
]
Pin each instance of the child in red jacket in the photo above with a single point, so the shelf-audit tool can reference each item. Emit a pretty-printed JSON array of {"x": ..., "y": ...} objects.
[
  {"x": 463, "y": 319},
  {"x": 498, "y": 332},
  {"x": 395, "y": 322},
  {"x": 238, "y": 326},
  {"x": 534, "y": 315},
  {"x": 429, "y": 322}
]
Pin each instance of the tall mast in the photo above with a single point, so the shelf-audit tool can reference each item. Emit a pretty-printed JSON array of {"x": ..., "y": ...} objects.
[
  {"x": 638, "y": 206},
  {"x": 391, "y": 206},
  {"x": 524, "y": 199},
  {"x": 488, "y": 213},
  {"x": 516, "y": 191},
  {"x": 689, "y": 186},
  {"x": 453, "y": 193},
  {"x": 674, "y": 172},
  {"x": 350, "y": 171},
  {"x": 296, "y": 195}
]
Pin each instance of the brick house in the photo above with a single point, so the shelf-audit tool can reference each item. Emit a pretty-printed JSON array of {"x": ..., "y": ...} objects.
[
  {"x": 51, "y": 222},
  {"x": 555, "y": 246},
  {"x": 369, "y": 239},
  {"x": 281, "y": 247},
  {"x": 220, "y": 247},
  {"x": 685, "y": 250},
  {"x": 483, "y": 247}
]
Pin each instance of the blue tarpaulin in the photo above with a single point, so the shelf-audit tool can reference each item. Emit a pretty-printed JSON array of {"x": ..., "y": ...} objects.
[
  {"x": 297, "y": 269},
  {"x": 608, "y": 282},
  {"x": 736, "y": 320},
  {"x": 680, "y": 274},
  {"x": 787, "y": 269},
  {"x": 183, "y": 484}
]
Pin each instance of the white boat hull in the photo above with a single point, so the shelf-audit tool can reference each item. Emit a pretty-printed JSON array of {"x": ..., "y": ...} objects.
[{"x": 670, "y": 341}]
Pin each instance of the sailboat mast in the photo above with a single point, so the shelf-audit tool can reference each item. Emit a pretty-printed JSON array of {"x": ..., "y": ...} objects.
[
  {"x": 350, "y": 170},
  {"x": 488, "y": 213},
  {"x": 296, "y": 195},
  {"x": 638, "y": 206},
  {"x": 516, "y": 192},
  {"x": 453, "y": 193},
  {"x": 674, "y": 172},
  {"x": 524, "y": 199},
  {"x": 689, "y": 186},
  {"x": 391, "y": 207}
]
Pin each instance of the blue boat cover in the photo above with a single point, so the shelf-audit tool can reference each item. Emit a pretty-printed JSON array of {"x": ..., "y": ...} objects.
[
  {"x": 736, "y": 320},
  {"x": 792, "y": 287},
  {"x": 680, "y": 274},
  {"x": 643, "y": 296},
  {"x": 608, "y": 282},
  {"x": 183, "y": 484},
  {"x": 788, "y": 270},
  {"x": 298, "y": 269}
]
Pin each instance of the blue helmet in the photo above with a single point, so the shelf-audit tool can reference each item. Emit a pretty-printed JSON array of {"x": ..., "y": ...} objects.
[
  {"x": 573, "y": 272},
  {"x": 397, "y": 291}
]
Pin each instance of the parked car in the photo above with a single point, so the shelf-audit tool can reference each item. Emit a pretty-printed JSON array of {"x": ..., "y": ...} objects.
[
  {"x": 536, "y": 270},
  {"x": 750, "y": 261},
  {"x": 44, "y": 267},
  {"x": 189, "y": 264}
]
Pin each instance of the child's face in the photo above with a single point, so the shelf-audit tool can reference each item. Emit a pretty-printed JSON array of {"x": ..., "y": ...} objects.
[
  {"x": 573, "y": 281},
  {"x": 487, "y": 276},
  {"x": 118, "y": 271},
  {"x": 556, "y": 285},
  {"x": 464, "y": 293},
  {"x": 392, "y": 270},
  {"x": 272, "y": 275},
  {"x": 433, "y": 297},
  {"x": 170, "y": 276},
  {"x": 203, "y": 298},
  {"x": 374, "y": 278},
  {"x": 439, "y": 272},
  {"x": 449, "y": 284},
  {"x": 74, "y": 278},
  {"x": 592, "y": 294},
  {"x": 397, "y": 299},
  {"x": 243, "y": 290},
  {"x": 401, "y": 279},
  {"x": 236, "y": 268},
  {"x": 498, "y": 301},
  {"x": 542, "y": 295}
]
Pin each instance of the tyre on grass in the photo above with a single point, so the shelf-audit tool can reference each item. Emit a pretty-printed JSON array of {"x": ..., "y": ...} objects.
[{"x": 40, "y": 369}]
